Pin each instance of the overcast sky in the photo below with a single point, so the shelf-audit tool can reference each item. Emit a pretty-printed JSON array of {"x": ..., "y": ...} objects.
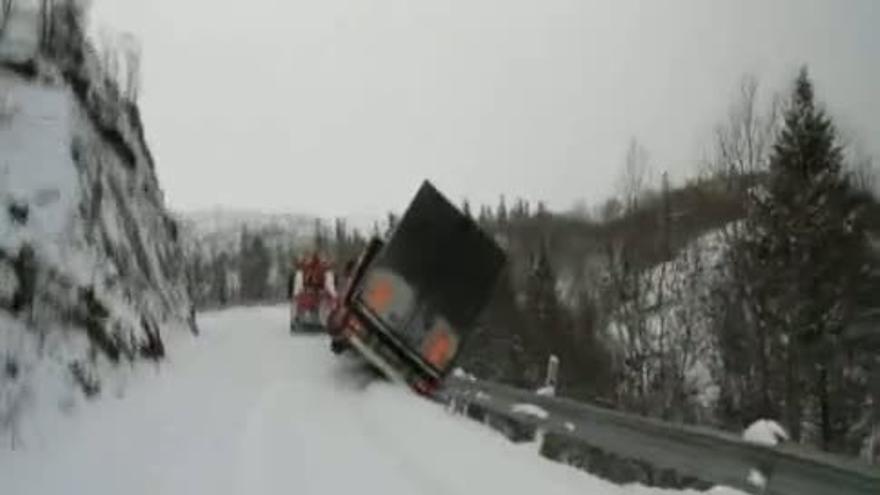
[{"x": 339, "y": 107}]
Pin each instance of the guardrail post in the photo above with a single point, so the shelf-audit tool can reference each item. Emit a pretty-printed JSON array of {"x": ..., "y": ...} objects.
[
  {"x": 549, "y": 390},
  {"x": 552, "y": 375}
]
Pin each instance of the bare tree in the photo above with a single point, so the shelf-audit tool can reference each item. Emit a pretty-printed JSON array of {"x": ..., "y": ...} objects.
[
  {"x": 131, "y": 54},
  {"x": 742, "y": 147},
  {"x": 609, "y": 210},
  {"x": 635, "y": 177},
  {"x": 861, "y": 169},
  {"x": 743, "y": 141},
  {"x": 629, "y": 289},
  {"x": 658, "y": 321},
  {"x": 120, "y": 56},
  {"x": 109, "y": 55}
]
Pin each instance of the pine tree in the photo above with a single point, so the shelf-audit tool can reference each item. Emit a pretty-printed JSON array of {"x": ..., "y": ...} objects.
[
  {"x": 543, "y": 311},
  {"x": 466, "y": 208},
  {"x": 804, "y": 241},
  {"x": 219, "y": 283},
  {"x": 500, "y": 335},
  {"x": 485, "y": 218},
  {"x": 256, "y": 263},
  {"x": 391, "y": 225},
  {"x": 502, "y": 212}
]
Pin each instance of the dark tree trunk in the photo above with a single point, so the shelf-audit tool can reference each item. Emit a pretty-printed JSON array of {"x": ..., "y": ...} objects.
[
  {"x": 792, "y": 394},
  {"x": 825, "y": 409}
]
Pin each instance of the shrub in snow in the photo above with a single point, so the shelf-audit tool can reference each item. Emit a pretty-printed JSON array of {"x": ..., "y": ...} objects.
[
  {"x": 152, "y": 347},
  {"x": 25, "y": 266},
  {"x": 86, "y": 378},
  {"x": 19, "y": 212}
]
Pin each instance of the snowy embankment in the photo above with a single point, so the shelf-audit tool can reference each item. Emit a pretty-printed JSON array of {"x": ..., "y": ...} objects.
[
  {"x": 668, "y": 323},
  {"x": 246, "y": 408},
  {"x": 90, "y": 263}
]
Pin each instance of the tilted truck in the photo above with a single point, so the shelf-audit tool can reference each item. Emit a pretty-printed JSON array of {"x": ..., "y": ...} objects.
[{"x": 411, "y": 302}]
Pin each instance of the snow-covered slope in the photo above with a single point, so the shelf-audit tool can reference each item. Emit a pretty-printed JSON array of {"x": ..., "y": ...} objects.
[
  {"x": 90, "y": 264},
  {"x": 666, "y": 326},
  {"x": 253, "y": 410}
]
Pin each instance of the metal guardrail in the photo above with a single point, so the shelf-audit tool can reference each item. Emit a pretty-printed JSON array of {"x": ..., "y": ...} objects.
[{"x": 706, "y": 454}]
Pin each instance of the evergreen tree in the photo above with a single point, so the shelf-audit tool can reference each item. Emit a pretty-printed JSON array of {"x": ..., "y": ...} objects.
[
  {"x": 219, "y": 275},
  {"x": 466, "y": 208},
  {"x": 499, "y": 335},
  {"x": 501, "y": 216},
  {"x": 804, "y": 241},
  {"x": 392, "y": 224},
  {"x": 485, "y": 218},
  {"x": 256, "y": 263},
  {"x": 543, "y": 311}
]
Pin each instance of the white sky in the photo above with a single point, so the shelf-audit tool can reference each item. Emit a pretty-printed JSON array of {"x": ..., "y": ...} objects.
[{"x": 339, "y": 107}]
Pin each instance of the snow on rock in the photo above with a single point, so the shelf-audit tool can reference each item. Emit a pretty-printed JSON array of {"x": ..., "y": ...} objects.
[
  {"x": 90, "y": 276},
  {"x": 530, "y": 410},
  {"x": 765, "y": 432}
]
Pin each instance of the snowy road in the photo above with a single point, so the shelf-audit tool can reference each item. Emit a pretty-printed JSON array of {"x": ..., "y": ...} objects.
[{"x": 247, "y": 408}]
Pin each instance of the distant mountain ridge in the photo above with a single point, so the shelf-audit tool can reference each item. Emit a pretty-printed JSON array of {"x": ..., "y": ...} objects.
[{"x": 219, "y": 228}]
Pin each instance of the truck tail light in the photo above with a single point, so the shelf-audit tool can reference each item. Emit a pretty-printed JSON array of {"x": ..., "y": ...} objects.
[{"x": 440, "y": 346}]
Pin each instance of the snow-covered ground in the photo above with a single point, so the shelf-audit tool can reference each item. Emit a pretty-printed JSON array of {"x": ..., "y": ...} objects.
[{"x": 246, "y": 408}]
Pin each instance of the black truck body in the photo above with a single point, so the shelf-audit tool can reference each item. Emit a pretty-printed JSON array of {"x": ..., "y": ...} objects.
[{"x": 412, "y": 302}]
